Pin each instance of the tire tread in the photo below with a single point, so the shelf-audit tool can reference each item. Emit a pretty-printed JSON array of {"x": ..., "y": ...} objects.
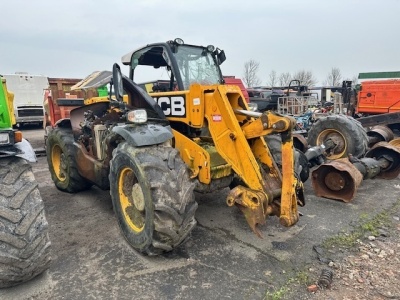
[
  {"x": 358, "y": 139},
  {"x": 24, "y": 240},
  {"x": 74, "y": 182},
  {"x": 171, "y": 192}
]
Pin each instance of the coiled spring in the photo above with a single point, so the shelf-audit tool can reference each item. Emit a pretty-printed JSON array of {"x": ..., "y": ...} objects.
[{"x": 325, "y": 279}]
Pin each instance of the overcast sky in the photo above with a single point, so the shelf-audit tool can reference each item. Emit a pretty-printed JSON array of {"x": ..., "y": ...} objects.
[{"x": 74, "y": 38}]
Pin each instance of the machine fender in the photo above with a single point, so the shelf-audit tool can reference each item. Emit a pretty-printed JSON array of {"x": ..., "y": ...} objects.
[
  {"x": 27, "y": 151},
  {"x": 144, "y": 135},
  {"x": 63, "y": 123}
]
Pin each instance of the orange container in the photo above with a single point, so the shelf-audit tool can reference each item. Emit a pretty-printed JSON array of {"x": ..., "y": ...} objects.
[{"x": 379, "y": 96}]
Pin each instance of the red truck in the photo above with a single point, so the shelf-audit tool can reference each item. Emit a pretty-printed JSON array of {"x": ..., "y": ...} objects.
[
  {"x": 59, "y": 100},
  {"x": 232, "y": 80}
]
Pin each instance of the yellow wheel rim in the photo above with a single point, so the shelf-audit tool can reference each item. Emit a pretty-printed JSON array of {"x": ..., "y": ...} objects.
[
  {"x": 131, "y": 198},
  {"x": 338, "y": 138},
  {"x": 59, "y": 163}
]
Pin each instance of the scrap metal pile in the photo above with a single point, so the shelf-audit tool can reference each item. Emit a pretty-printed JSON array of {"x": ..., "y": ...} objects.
[{"x": 340, "y": 177}]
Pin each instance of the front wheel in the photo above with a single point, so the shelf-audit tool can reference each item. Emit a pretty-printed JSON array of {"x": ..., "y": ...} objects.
[
  {"x": 152, "y": 197},
  {"x": 62, "y": 164}
]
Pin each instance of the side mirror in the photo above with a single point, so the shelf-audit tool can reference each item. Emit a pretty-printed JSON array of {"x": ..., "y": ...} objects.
[
  {"x": 117, "y": 82},
  {"x": 221, "y": 57}
]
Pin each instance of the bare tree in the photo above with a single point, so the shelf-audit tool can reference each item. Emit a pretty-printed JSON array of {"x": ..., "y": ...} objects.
[
  {"x": 305, "y": 78},
  {"x": 273, "y": 78},
  {"x": 250, "y": 73},
  {"x": 284, "y": 79},
  {"x": 334, "y": 77},
  {"x": 354, "y": 80}
]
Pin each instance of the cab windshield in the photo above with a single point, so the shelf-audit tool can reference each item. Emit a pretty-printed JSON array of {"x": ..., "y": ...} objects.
[{"x": 196, "y": 65}]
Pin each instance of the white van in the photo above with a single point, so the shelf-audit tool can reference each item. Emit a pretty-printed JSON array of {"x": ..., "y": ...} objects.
[{"x": 28, "y": 96}]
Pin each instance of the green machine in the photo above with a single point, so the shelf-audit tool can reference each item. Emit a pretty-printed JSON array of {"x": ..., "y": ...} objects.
[{"x": 6, "y": 108}]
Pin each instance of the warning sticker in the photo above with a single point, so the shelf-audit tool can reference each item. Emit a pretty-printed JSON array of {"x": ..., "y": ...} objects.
[{"x": 217, "y": 118}]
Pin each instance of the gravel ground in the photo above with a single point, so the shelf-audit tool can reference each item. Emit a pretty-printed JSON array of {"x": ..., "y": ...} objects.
[
  {"x": 371, "y": 272},
  {"x": 369, "y": 269}
]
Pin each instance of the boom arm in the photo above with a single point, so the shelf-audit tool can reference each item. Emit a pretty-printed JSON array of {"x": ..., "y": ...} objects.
[{"x": 239, "y": 140}]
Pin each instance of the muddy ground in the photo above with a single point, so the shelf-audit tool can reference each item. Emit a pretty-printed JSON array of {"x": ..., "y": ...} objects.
[{"x": 222, "y": 260}]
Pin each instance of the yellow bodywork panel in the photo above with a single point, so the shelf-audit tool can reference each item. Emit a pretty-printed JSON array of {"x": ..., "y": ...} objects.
[
  {"x": 267, "y": 124},
  {"x": 10, "y": 97},
  {"x": 195, "y": 157},
  {"x": 97, "y": 99},
  {"x": 194, "y": 104},
  {"x": 288, "y": 213},
  {"x": 227, "y": 134},
  {"x": 202, "y": 158}
]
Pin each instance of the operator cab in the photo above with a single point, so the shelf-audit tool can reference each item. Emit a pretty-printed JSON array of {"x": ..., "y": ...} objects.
[{"x": 183, "y": 64}]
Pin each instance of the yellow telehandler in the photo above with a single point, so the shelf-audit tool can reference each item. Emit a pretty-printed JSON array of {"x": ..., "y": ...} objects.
[{"x": 153, "y": 150}]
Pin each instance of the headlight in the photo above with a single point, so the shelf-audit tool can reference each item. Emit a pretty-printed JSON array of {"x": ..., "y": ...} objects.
[
  {"x": 137, "y": 116},
  {"x": 179, "y": 41},
  {"x": 4, "y": 138},
  {"x": 252, "y": 106},
  {"x": 210, "y": 48}
]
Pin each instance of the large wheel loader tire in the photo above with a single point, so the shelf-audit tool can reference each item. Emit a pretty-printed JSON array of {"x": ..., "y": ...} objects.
[
  {"x": 152, "y": 197},
  {"x": 24, "y": 240},
  {"x": 348, "y": 134},
  {"x": 61, "y": 160}
]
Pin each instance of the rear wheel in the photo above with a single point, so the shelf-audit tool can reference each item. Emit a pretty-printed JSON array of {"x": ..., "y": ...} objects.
[
  {"x": 347, "y": 134},
  {"x": 152, "y": 197},
  {"x": 24, "y": 239},
  {"x": 62, "y": 164}
]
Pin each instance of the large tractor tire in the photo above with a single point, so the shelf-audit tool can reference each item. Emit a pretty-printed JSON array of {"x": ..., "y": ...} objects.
[
  {"x": 24, "y": 239},
  {"x": 346, "y": 132},
  {"x": 62, "y": 164},
  {"x": 152, "y": 197}
]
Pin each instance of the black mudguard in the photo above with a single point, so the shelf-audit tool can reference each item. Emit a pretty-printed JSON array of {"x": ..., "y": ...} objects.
[{"x": 144, "y": 135}]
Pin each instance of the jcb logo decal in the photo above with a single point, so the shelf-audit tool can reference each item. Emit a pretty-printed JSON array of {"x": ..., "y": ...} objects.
[{"x": 173, "y": 106}]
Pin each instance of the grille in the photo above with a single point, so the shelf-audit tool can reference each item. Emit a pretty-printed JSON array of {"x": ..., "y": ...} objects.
[{"x": 30, "y": 112}]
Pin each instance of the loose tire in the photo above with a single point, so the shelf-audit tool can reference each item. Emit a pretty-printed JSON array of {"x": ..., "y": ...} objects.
[
  {"x": 152, "y": 197},
  {"x": 348, "y": 134},
  {"x": 24, "y": 239},
  {"x": 62, "y": 164}
]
